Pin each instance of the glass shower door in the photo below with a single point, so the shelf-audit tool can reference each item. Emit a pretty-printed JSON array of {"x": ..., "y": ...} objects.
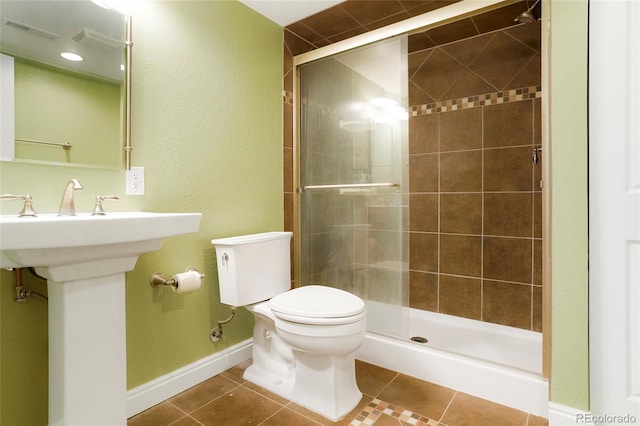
[{"x": 354, "y": 178}]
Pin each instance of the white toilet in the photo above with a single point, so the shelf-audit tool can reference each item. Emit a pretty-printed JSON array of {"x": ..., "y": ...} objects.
[{"x": 304, "y": 340}]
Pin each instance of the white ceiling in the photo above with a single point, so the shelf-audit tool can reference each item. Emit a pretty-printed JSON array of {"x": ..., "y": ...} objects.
[{"x": 285, "y": 12}]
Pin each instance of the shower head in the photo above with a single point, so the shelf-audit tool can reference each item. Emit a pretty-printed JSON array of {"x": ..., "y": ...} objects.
[{"x": 527, "y": 17}]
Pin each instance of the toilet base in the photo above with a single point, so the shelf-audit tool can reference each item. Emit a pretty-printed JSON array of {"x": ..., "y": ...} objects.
[{"x": 323, "y": 384}]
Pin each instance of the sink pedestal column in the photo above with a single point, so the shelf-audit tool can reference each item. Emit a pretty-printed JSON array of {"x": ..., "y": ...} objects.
[{"x": 87, "y": 352}]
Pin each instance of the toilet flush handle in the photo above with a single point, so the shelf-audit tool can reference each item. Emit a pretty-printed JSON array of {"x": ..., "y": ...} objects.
[{"x": 225, "y": 259}]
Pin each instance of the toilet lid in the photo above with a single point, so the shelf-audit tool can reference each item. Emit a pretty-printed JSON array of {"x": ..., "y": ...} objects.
[{"x": 315, "y": 301}]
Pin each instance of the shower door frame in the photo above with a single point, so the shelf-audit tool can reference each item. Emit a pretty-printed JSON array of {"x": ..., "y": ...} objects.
[{"x": 435, "y": 18}]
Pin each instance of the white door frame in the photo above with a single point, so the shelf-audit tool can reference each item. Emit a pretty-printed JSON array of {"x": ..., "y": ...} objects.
[{"x": 614, "y": 211}]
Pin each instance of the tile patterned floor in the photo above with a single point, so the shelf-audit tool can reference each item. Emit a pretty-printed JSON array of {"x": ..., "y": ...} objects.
[{"x": 390, "y": 399}]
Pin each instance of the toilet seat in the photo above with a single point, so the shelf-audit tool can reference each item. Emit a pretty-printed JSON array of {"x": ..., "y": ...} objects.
[
  {"x": 320, "y": 321},
  {"x": 318, "y": 305}
]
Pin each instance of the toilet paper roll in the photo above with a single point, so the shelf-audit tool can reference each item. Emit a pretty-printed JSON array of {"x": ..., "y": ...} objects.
[{"x": 186, "y": 281}]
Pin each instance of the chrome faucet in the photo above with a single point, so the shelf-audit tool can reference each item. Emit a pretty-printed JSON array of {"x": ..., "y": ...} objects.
[{"x": 67, "y": 206}]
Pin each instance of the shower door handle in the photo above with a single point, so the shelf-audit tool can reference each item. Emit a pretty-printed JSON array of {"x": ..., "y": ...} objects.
[{"x": 351, "y": 186}]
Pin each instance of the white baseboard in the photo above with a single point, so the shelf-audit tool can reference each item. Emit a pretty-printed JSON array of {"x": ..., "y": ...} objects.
[
  {"x": 561, "y": 415},
  {"x": 154, "y": 392}
]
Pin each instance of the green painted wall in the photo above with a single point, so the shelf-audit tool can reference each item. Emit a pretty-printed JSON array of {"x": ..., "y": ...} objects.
[
  {"x": 569, "y": 240},
  {"x": 207, "y": 113},
  {"x": 208, "y": 103},
  {"x": 57, "y": 106},
  {"x": 24, "y": 354}
]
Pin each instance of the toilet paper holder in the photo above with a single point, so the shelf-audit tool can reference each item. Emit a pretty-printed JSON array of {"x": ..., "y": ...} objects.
[{"x": 158, "y": 280}]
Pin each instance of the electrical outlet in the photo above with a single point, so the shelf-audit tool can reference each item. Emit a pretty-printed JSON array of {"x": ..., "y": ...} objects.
[{"x": 135, "y": 181}]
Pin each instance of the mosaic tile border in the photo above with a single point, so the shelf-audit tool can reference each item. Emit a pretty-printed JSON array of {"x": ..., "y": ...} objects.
[
  {"x": 494, "y": 98},
  {"x": 377, "y": 408}
]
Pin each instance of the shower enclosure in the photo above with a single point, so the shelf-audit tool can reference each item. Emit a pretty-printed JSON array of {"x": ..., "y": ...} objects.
[
  {"x": 419, "y": 176},
  {"x": 418, "y": 188},
  {"x": 354, "y": 177}
]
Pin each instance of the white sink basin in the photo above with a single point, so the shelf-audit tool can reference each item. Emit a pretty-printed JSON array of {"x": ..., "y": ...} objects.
[{"x": 51, "y": 243}]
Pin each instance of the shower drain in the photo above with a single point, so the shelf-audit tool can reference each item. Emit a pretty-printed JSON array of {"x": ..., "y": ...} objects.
[{"x": 419, "y": 339}]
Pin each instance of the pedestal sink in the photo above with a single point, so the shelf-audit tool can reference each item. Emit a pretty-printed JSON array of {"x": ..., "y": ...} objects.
[{"x": 84, "y": 259}]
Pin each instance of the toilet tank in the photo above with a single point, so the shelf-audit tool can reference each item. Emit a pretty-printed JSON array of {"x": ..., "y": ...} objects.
[{"x": 253, "y": 268}]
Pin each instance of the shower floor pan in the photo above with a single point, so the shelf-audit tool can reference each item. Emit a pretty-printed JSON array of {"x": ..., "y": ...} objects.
[{"x": 494, "y": 362}]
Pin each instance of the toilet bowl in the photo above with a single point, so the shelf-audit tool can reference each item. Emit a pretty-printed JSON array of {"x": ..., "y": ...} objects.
[{"x": 305, "y": 339}]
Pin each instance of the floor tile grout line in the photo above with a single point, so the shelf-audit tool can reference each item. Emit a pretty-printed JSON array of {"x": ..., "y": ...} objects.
[
  {"x": 196, "y": 420},
  {"x": 447, "y": 407},
  {"x": 287, "y": 408},
  {"x": 178, "y": 408},
  {"x": 242, "y": 381},
  {"x": 188, "y": 413},
  {"x": 184, "y": 417},
  {"x": 306, "y": 417},
  {"x": 230, "y": 392},
  {"x": 274, "y": 413},
  {"x": 386, "y": 386},
  {"x": 266, "y": 396}
]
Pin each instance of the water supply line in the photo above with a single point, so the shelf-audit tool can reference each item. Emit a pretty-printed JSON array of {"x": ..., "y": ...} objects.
[
  {"x": 21, "y": 293},
  {"x": 217, "y": 334}
]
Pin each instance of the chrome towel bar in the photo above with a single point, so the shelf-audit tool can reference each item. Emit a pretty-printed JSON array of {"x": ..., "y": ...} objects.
[{"x": 64, "y": 145}]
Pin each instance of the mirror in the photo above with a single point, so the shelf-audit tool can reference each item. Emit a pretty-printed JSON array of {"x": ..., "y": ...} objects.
[{"x": 60, "y": 111}]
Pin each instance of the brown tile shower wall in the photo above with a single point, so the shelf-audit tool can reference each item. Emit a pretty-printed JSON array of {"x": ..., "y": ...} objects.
[
  {"x": 474, "y": 201},
  {"x": 475, "y": 214},
  {"x": 474, "y": 197}
]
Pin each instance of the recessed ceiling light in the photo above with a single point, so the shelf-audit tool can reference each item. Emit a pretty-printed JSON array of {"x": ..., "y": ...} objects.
[{"x": 72, "y": 56}]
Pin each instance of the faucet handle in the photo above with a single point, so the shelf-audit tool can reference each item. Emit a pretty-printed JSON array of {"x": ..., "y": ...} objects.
[
  {"x": 98, "y": 210},
  {"x": 27, "y": 208}
]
